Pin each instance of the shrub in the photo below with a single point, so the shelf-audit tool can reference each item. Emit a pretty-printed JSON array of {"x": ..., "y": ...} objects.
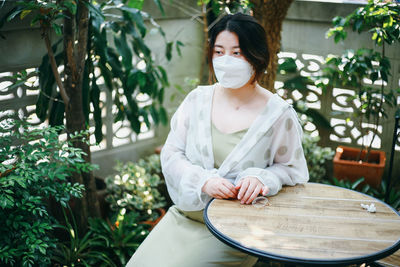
[
  {"x": 80, "y": 251},
  {"x": 316, "y": 157},
  {"x": 34, "y": 166},
  {"x": 134, "y": 188},
  {"x": 119, "y": 238}
]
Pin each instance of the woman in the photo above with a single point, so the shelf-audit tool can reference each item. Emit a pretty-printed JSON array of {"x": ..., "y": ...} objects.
[{"x": 233, "y": 139}]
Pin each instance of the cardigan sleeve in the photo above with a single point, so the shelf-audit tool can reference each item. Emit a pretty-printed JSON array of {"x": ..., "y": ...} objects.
[
  {"x": 289, "y": 166},
  {"x": 184, "y": 178}
]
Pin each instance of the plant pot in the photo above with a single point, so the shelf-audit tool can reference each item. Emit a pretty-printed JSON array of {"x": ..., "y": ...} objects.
[
  {"x": 158, "y": 149},
  {"x": 162, "y": 212},
  {"x": 345, "y": 165}
]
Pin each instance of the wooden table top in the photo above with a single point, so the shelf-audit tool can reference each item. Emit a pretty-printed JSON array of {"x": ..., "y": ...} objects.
[{"x": 308, "y": 224}]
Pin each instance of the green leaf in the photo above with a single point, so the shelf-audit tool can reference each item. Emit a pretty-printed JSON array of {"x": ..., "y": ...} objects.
[
  {"x": 133, "y": 106},
  {"x": 42, "y": 250},
  {"x": 132, "y": 80},
  {"x": 160, "y": 7},
  {"x": 94, "y": 10},
  {"x": 115, "y": 63},
  {"x": 168, "y": 50},
  {"x": 318, "y": 119},
  {"x": 338, "y": 21},
  {"x": 154, "y": 114},
  {"x": 178, "y": 47},
  {"x": 47, "y": 84},
  {"x": 14, "y": 13},
  {"x": 56, "y": 115},
  {"x": 134, "y": 121},
  {"x": 288, "y": 66},
  {"x": 297, "y": 83},
  {"x": 145, "y": 116},
  {"x": 138, "y": 4},
  {"x": 142, "y": 79},
  {"x": 106, "y": 74},
  {"x": 161, "y": 93},
  {"x": 358, "y": 25},
  {"x": 71, "y": 6},
  {"x": 5, "y": 17},
  {"x": 57, "y": 28},
  {"x": 357, "y": 183},
  {"x": 24, "y": 14},
  {"x": 163, "y": 116},
  {"x": 17, "y": 84},
  {"x": 337, "y": 37},
  {"x": 124, "y": 50},
  {"x": 374, "y": 36},
  {"x": 384, "y": 76},
  {"x": 164, "y": 76},
  {"x": 374, "y": 76},
  {"x": 137, "y": 18},
  {"x": 139, "y": 46}
]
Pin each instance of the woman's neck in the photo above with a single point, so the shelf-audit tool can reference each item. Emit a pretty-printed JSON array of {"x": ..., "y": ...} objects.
[{"x": 242, "y": 94}]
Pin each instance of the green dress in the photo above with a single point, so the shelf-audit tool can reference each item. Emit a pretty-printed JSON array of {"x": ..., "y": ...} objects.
[{"x": 181, "y": 239}]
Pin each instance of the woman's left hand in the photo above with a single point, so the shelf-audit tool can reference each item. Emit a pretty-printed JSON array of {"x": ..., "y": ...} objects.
[{"x": 249, "y": 188}]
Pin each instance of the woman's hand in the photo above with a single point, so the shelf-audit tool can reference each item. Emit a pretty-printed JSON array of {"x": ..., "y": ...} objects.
[
  {"x": 249, "y": 188},
  {"x": 219, "y": 187}
]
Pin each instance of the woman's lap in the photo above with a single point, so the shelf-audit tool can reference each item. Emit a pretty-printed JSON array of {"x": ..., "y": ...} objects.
[{"x": 179, "y": 241}]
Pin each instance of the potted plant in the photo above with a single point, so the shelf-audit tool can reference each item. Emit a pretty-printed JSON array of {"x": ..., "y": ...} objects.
[{"x": 372, "y": 99}]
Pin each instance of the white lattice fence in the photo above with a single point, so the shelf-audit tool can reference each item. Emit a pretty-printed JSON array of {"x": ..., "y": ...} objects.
[
  {"x": 19, "y": 102},
  {"x": 334, "y": 106}
]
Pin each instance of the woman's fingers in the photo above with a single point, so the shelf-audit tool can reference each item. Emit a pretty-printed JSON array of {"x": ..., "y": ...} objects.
[
  {"x": 243, "y": 188},
  {"x": 249, "y": 192},
  {"x": 246, "y": 190},
  {"x": 265, "y": 190},
  {"x": 219, "y": 187},
  {"x": 226, "y": 191},
  {"x": 239, "y": 185},
  {"x": 249, "y": 189},
  {"x": 256, "y": 192},
  {"x": 232, "y": 189}
]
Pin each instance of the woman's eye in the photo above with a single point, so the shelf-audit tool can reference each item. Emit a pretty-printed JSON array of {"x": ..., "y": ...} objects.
[
  {"x": 218, "y": 52},
  {"x": 236, "y": 53}
]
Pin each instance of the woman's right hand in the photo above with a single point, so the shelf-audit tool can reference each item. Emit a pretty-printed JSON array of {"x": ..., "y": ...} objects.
[{"x": 219, "y": 187}]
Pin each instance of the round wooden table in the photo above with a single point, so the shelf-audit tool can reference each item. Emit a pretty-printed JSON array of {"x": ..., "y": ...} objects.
[{"x": 311, "y": 224}]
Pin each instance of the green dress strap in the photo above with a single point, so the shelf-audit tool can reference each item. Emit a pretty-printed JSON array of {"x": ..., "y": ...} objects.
[{"x": 224, "y": 143}]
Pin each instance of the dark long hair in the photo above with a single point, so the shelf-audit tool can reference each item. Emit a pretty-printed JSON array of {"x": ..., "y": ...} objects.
[{"x": 252, "y": 41}]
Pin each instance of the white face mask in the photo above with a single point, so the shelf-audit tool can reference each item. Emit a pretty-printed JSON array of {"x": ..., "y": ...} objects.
[{"x": 232, "y": 72}]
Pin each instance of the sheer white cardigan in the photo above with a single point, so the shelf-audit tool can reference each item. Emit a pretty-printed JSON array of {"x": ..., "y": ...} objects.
[{"x": 270, "y": 150}]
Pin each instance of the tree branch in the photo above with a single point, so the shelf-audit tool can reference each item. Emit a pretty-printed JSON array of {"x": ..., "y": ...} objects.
[{"x": 53, "y": 63}]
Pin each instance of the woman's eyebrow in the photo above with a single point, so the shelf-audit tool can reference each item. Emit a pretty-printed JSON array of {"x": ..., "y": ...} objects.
[{"x": 217, "y": 45}]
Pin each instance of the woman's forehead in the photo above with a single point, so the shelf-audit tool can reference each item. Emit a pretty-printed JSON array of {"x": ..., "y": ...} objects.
[{"x": 227, "y": 39}]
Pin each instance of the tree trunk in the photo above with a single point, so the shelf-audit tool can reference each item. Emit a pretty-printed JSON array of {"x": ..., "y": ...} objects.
[
  {"x": 270, "y": 14},
  {"x": 75, "y": 44}
]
